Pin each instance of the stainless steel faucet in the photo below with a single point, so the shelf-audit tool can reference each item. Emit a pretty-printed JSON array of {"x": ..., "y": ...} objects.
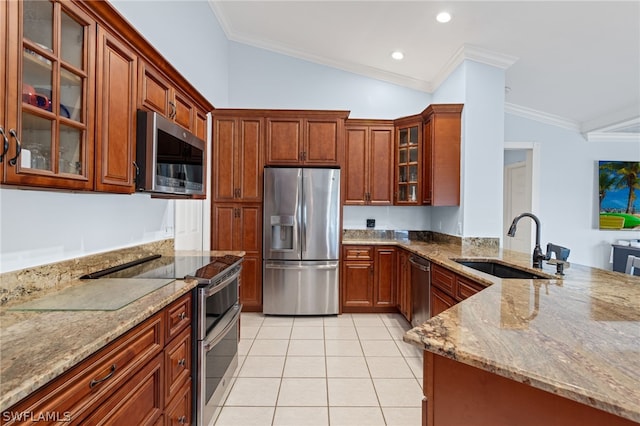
[{"x": 537, "y": 257}]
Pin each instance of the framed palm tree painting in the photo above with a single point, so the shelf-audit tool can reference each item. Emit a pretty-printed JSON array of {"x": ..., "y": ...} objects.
[{"x": 619, "y": 187}]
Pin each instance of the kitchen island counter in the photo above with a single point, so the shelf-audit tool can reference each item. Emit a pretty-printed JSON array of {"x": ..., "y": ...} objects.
[
  {"x": 576, "y": 337},
  {"x": 38, "y": 346}
]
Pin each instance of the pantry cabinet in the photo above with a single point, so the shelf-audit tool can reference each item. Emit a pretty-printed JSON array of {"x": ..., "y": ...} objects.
[
  {"x": 237, "y": 157},
  {"x": 369, "y": 162},
  {"x": 238, "y": 226},
  {"x": 304, "y": 138}
]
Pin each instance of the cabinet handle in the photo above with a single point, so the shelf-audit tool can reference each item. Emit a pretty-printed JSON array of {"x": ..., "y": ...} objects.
[
  {"x": 182, "y": 315},
  {"x": 172, "y": 112},
  {"x": 182, "y": 362},
  {"x": 13, "y": 134},
  {"x": 182, "y": 420},
  {"x": 95, "y": 382},
  {"x": 5, "y": 144}
]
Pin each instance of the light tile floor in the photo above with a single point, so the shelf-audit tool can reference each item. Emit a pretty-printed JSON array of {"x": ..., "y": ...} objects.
[{"x": 351, "y": 369}]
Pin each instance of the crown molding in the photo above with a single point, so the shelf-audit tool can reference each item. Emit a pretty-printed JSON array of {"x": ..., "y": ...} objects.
[
  {"x": 542, "y": 117},
  {"x": 612, "y": 137}
]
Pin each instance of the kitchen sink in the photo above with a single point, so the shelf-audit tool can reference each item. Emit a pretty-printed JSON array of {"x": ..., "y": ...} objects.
[{"x": 499, "y": 270}]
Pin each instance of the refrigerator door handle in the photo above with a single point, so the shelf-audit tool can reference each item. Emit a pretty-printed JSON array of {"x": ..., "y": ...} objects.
[{"x": 275, "y": 265}]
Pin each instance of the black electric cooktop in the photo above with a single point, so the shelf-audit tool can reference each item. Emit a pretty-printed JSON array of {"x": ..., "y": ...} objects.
[{"x": 177, "y": 267}]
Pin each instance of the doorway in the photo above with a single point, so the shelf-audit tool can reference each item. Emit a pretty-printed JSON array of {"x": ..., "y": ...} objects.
[{"x": 519, "y": 193}]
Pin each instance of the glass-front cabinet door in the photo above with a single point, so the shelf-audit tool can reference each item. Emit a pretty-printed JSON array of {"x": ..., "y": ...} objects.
[
  {"x": 408, "y": 164},
  {"x": 51, "y": 119}
]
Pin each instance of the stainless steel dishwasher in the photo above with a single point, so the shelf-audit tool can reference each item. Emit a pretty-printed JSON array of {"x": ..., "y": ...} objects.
[{"x": 420, "y": 290}]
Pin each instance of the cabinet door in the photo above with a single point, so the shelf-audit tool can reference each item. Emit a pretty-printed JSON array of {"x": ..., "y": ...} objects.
[
  {"x": 249, "y": 233},
  {"x": 356, "y": 166},
  {"x": 323, "y": 142},
  {"x": 116, "y": 108},
  {"x": 440, "y": 301},
  {"x": 224, "y": 159},
  {"x": 181, "y": 110},
  {"x": 250, "y": 169},
  {"x": 284, "y": 141},
  {"x": 200, "y": 124},
  {"x": 407, "y": 176},
  {"x": 381, "y": 162},
  {"x": 357, "y": 281},
  {"x": 4, "y": 130},
  {"x": 251, "y": 283},
  {"x": 222, "y": 229},
  {"x": 385, "y": 277},
  {"x": 155, "y": 91},
  {"x": 50, "y": 57}
]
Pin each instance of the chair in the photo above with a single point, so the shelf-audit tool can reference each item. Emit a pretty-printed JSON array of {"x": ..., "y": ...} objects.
[{"x": 633, "y": 263}]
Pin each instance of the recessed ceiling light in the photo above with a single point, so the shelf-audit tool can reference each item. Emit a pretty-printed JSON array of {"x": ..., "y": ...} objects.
[
  {"x": 443, "y": 17},
  {"x": 397, "y": 55}
]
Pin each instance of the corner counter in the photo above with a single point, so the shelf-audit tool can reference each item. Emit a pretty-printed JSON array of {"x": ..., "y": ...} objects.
[{"x": 577, "y": 337}]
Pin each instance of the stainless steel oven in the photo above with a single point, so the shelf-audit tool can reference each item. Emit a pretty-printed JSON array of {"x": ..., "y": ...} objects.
[
  {"x": 216, "y": 324},
  {"x": 217, "y": 336}
]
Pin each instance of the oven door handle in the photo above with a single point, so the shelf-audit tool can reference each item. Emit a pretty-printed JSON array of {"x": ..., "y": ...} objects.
[
  {"x": 226, "y": 323},
  {"x": 210, "y": 291},
  {"x": 275, "y": 265}
]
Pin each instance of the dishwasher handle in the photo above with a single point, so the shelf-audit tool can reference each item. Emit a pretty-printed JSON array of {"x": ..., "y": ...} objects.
[{"x": 418, "y": 264}]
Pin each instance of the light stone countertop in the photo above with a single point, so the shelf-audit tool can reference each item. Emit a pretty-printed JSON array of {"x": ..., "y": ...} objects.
[
  {"x": 37, "y": 346},
  {"x": 581, "y": 341}
]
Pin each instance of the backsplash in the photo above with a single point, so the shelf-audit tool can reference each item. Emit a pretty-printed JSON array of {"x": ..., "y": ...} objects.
[
  {"x": 426, "y": 236},
  {"x": 16, "y": 285}
]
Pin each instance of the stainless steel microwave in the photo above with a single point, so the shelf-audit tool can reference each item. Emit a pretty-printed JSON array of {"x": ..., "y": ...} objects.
[{"x": 169, "y": 159}]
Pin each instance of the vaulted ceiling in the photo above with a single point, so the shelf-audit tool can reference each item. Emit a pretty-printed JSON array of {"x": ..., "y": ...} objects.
[{"x": 575, "y": 63}]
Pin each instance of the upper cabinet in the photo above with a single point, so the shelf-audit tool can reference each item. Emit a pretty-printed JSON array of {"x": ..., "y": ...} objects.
[
  {"x": 70, "y": 85},
  {"x": 312, "y": 138},
  {"x": 237, "y": 156},
  {"x": 408, "y": 162},
  {"x": 441, "y": 155},
  {"x": 428, "y": 157},
  {"x": 49, "y": 78},
  {"x": 368, "y": 163},
  {"x": 159, "y": 95}
]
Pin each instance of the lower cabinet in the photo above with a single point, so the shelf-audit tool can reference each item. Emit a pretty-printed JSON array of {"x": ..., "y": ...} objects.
[
  {"x": 449, "y": 288},
  {"x": 404, "y": 284},
  {"x": 369, "y": 279},
  {"x": 141, "y": 378}
]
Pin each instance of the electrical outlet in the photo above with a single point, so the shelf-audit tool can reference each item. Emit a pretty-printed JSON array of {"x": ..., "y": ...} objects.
[{"x": 371, "y": 223}]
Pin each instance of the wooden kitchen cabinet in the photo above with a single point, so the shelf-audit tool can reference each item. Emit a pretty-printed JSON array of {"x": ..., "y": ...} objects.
[
  {"x": 304, "y": 138},
  {"x": 238, "y": 226},
  {"x": 237, "y": 157},
  {"x": 369, "y": 279},
  {"x": 441, "y": 155},
  {"x": 369, "y": 154},
  {"x": 158, "y": 94},
  {"x": 135, "y": 379},
  {"x": 408, "y": 145},
  {"x": 449, "y": 288},
  {"x": 69, "y": 81},
  {"x": 49, "y": 94},
  {"x": 116, "y": 115}
]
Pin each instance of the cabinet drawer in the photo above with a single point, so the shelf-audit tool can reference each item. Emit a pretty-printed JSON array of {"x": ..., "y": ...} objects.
[
  {"x": 177, "y": 363},
  {"x": 467, "y": 288},
  {"x": 81, "y": 389},
  {"x": 358, "y": 253},
  {"x": 178, "y": 411},
  {"x": 137, "y": 402},
  {"x": 179, "y": 316},
  {"x": 444, "y": 279}
]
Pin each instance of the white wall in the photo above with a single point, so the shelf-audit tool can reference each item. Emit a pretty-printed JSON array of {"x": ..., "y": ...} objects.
[{"x": 568, "y": 179}]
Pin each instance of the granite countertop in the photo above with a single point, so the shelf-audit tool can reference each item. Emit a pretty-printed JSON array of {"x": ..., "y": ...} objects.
[
  {"x": 578, "y": 337},
  {"x": 37, "y": 346}
]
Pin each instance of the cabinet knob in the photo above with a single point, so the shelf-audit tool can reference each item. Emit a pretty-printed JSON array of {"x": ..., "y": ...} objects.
[
  {"x": 182, "y": 315},
  {"x": 13, "y": 134},
  {"x": 5, "y": 144},
  {"x": 182, "y": 420},
  {"x": 182, "y": 362},
  {"x": 172, "y": 111}
]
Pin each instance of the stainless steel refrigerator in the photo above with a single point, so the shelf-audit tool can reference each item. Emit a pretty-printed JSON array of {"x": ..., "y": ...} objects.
[{"x": 301, "y": 241}]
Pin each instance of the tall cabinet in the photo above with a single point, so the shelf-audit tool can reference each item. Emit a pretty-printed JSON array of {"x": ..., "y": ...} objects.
[{"x": 237, "y": 181}]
